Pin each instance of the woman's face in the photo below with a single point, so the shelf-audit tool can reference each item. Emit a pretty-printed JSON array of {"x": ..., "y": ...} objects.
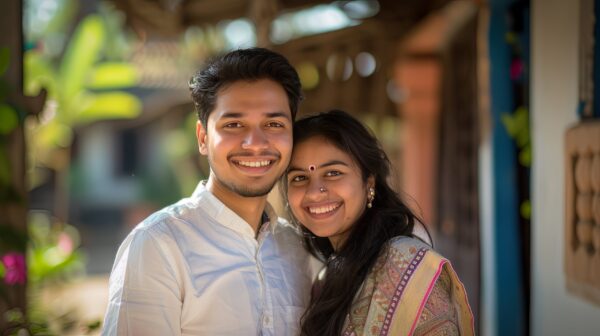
[{"x": 326, "y": 191}]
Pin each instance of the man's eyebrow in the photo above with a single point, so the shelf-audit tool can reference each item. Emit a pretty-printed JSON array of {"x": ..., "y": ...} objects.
[
  {"x": 232, "y": 115},
  {"x": 236, "y": 115},
  {"x": 279, "y": 114},
  {"x": 326, "y": 164}
]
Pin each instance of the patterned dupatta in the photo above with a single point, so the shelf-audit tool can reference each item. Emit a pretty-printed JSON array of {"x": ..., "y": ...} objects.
[{"x": 394, "y": 294}]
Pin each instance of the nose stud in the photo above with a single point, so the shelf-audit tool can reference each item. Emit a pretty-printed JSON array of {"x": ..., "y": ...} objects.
[{"x": 322, "y": 189}]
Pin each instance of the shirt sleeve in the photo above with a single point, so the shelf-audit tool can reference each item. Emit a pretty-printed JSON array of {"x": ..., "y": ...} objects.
[
  {"x": 439, "y": 316},
  {"x": 144, "y": 291}
]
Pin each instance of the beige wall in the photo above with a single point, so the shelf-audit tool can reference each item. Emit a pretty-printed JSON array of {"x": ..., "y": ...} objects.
[{"x": 554, "y": 88}]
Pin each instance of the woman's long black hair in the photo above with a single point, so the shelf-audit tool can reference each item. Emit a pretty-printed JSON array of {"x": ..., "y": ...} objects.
[{"x": 387, "y": 218}]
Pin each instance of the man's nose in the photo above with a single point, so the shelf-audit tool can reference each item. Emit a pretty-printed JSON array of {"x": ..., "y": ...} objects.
[{"x": 255, "y": 139}]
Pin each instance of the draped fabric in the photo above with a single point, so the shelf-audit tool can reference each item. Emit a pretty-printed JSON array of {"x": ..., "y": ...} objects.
[{"x": 411, "y": 290}]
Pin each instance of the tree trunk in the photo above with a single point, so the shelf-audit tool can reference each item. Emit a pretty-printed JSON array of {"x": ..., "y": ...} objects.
[{"x": 13, "y": 203}]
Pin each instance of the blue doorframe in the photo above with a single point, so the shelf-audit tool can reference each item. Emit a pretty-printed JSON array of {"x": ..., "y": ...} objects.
[{"x": 510, "y": 309}]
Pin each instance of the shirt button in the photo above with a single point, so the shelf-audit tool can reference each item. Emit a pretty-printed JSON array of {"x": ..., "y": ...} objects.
[{"x": 266, "y": 320}]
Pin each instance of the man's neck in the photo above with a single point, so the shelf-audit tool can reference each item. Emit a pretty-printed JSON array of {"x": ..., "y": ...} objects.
[{"x": 249, "y": 209}]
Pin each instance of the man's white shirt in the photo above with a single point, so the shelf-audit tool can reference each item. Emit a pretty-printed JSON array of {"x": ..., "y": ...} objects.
[{"x": 196, "y": 268}]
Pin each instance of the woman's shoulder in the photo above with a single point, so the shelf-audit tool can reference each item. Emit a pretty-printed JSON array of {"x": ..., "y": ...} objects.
[
  {"x": 402, "y": 249},
  {"x": 408, "y": 244}
]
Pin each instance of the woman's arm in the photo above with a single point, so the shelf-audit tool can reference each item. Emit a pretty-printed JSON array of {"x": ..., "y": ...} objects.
[{"x": 439, "y": 316}]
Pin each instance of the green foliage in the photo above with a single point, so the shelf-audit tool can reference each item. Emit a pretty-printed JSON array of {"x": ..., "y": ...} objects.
[
  {"x": 517, "y": 126},
  {"x": 4, "y": 169},
  {"x": 80, "y": 71},
  {"x": 39, "y": 73},
  {"x": 82, "y": 88},
  {"x": 72, "y": 100},
  {"x": 18, "y": 324},
  {"x": 108, "y": 106},
  {"x": 53, "y": 253},
  {"x": 112, "y": 75},
  {"x": 525, "y": 209},
  {"x": 9, "y": 119},
  {"x": 4, "y": 60},
  {"x": 82, "y": 53},
  {"x": 12, "y": 239}
]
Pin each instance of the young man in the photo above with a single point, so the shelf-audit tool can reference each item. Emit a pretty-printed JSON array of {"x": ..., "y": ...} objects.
[{"x": 220, "y": 262}]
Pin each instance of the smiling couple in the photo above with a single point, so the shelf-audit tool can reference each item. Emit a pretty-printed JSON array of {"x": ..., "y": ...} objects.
[{"x": 222, "y": 263}]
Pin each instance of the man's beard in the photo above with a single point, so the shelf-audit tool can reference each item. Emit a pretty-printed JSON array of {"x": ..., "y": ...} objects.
[
  {"x": 247, "y": 191},
  {"x": 242, "y": 189}
]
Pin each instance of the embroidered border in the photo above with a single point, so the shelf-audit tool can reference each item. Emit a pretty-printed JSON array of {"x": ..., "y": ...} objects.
[{"x": 400, "y": 290}]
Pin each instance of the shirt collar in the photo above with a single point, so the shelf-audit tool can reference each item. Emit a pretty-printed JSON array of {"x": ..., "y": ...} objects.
[{"x": 227, "y": 217}]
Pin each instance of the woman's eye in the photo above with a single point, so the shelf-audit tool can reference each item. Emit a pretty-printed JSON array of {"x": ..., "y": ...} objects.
[
  {"x": 333, "y": 173},
  {"x": 298, "y": 178}
]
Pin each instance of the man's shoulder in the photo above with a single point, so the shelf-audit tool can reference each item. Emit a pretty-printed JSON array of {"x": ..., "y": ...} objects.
[
  {"x": 290, "y": 238},
  {"x": 284, "y": 227},
  {"x": 288, "y": 234},
  {"x": 185, "y": 210}
]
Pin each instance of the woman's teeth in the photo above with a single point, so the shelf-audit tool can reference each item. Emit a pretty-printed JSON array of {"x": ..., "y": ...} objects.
[{"x": 323, "y": 209}]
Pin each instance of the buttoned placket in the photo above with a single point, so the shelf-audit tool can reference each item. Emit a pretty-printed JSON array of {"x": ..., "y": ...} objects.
[{"x": 227, "y": 218}]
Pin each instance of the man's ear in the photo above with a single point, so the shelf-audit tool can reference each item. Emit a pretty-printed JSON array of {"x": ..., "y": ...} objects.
[{"x": 201, "y": 135}]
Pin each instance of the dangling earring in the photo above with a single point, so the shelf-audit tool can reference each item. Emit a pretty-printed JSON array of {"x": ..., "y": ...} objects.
[{"x": 370, "y": 197}]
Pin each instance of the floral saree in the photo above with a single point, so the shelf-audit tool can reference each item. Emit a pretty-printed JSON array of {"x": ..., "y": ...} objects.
[{"x": 411, "y": 290}]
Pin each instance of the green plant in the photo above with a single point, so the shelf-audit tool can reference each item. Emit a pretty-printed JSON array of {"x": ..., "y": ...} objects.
[
  {"x": 13, "y": 241},
  {"x": 82, "y": 89},
  {"x": 84, "y": 85},
  {"x": 517, "y": 126}
]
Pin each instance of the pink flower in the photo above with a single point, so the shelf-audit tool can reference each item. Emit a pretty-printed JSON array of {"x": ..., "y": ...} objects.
[
  {"x": 516, "y": 69},
  {"x": 65, "y": 243},
  {"x": 15, "y": 269}
]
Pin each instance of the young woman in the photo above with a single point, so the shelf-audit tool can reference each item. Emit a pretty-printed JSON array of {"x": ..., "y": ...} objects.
[{"x": 379, "y": 279}]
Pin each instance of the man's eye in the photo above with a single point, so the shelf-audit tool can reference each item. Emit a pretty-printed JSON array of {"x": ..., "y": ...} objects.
[
  {"x": 233, "y": 125},
  {"x": 275, "y": 124}
]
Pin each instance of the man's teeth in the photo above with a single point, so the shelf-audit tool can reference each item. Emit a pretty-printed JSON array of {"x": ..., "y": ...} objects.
[
  {"x": 323, "y": 209},
  {"x": 254, "y": 163}
]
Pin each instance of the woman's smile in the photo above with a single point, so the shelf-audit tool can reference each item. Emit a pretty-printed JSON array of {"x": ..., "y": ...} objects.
[
  {"x": 326, "y": 190},
  {"x": 323, "y": 209}
]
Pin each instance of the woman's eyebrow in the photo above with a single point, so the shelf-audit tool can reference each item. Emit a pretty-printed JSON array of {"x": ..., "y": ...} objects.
[
  {"x": 334, "y": 162},
  {"x": 326, "y": 164}
]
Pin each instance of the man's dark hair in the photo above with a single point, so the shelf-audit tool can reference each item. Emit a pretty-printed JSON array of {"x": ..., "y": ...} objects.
[{"x": 243, "y": 65}]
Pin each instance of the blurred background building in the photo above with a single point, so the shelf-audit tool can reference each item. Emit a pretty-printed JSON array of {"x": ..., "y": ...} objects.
[{"x": 486, "y": 109}]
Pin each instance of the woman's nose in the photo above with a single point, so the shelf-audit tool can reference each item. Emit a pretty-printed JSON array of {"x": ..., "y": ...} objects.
[{"x": 316, "y": 189}]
